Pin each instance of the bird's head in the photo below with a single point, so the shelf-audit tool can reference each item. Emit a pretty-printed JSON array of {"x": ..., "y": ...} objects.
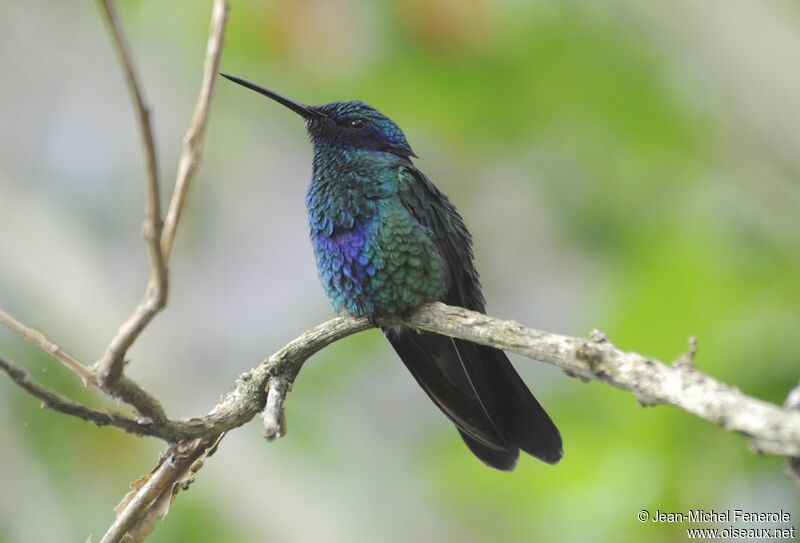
[{"x": 352, "y": 124}]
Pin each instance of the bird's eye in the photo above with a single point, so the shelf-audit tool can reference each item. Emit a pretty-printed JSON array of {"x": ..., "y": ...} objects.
[{"x": 358, "y": 124}]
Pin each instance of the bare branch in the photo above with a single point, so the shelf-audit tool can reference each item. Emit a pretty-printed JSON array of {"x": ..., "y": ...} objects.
[
  {"x": 35, "y": 336},
  {"x": 793, "y": 464},
  {"x": 774, "y": 430},
  {"x": 130, "y": 392},
  {"x": 110, "y": 367},
  {"x": 107, "y": 373},
  {"x": 248, "y": 397},
  {"x": 193, "y": 141},
  {"x": 124, "y": 389},
  {"x": 150, "y": 498},
  {"x": 56, "y": 402}
]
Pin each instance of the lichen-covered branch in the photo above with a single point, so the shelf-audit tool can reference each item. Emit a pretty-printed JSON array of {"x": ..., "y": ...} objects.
[
  {"x": 793, "y": 463},
  {"x": 773, "y": 429}
]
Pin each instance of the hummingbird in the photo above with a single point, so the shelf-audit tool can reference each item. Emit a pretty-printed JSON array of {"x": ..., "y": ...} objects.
[{"x": 386, "y": 241}]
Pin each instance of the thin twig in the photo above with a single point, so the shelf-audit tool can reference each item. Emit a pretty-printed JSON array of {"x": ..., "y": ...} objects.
[
  {"x": 193, "y": 141},
  {"x": 56, "y": 402},
  {"x": 109, "y": 368},
  {"x": 35, "y": 336},
  {"x": 125, "y": 389}
]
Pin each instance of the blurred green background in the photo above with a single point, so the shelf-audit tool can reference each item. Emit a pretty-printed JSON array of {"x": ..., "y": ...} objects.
[{"x": 629, "y": 166}]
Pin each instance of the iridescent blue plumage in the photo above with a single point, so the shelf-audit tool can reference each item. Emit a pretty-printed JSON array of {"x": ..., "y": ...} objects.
[
  {"x": 374, "y": 258},
  {"x": 386, "y": 241}
]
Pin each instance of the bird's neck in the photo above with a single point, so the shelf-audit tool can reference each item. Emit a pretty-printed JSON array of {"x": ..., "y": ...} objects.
[
  {"x": 349, "y": 186},
  {"x": 335, "y": 160}
]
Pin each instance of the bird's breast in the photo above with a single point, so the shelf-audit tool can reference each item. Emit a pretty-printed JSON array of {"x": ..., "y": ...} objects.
[
  {"x": 347, "y": 261},
  {"x": 380, "y": 265}
]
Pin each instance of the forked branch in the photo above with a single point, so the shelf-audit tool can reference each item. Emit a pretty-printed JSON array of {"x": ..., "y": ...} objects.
[{"x": 109, "y": 367}]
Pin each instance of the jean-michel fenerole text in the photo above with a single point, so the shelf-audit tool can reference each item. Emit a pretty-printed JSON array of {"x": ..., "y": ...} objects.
[{"x": 727, "y": 515}]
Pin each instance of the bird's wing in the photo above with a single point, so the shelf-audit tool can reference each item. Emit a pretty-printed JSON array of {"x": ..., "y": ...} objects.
[
  {"x": 438, "y": 362},
  {"x": 433, "y": 210},
  {"x": 492, "y": 396}
]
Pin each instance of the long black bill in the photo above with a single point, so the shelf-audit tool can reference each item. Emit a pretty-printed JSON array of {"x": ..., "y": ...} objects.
[{"x": 302, "y": 110}]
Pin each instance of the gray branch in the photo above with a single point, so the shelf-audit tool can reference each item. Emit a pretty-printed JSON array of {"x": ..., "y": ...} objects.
[
  {"x": 151, "y": 495},
  {"x": 56, "y": 402},
  {"x": 109, "y": 369},
  {"x": 793, "y": 464},
  {"x": 773, "y": 429}
]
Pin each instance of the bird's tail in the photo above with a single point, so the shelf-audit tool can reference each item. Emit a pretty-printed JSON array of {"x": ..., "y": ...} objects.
[{"x": 479, "y": 390}]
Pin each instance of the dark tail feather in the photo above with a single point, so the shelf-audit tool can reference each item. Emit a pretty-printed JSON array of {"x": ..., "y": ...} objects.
[
  {"x": 504, "y": 460},
  {"x": 479, "y": 390},
  {"x": 525, "y": 420},
  {"x": 435, "y": 364}
]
